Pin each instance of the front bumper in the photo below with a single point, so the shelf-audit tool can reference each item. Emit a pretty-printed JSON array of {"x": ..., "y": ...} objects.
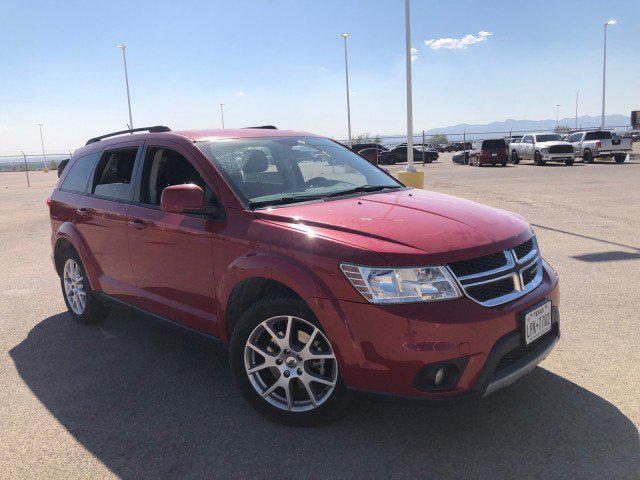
[
  {"x": 557, "y": 157},
  {"x": 383, "y": 349}
]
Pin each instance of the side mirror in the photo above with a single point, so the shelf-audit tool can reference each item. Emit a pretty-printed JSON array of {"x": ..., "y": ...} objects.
[{"x": 182, "y": 198}]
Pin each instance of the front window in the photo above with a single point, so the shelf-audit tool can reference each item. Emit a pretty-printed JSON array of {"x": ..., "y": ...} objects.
[
  {"x": 272, "y": 170},
  {"x": 549, "y": 137}
]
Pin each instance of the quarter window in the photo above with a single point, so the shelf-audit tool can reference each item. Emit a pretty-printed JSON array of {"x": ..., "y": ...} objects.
[
  {"x": 78, "y": 177},
  {"x": 113, "y": 175}
]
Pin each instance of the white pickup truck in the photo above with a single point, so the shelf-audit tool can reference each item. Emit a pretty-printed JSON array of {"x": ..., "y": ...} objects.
[
  {"x": 599, "y": 143},
  {"x": 541, "y": 148}
]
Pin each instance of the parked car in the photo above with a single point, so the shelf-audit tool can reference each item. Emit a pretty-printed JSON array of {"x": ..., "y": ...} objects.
[
  {"x": 356, "y": 147},
  {"x": 542, "y": 148},
  {"x": 492, "y": 151},
  {"x": 61, "y": 166},
  {"x": 458, "y": 146},
  {"x": 600, "y": 144},
  {"x": 461, "y": 157},
  {"x": 371, "y": 155},
  {"x": 425, "y": 152},
  {"x": 398, "y": 154},
  {"x": 322, "y": 273}
]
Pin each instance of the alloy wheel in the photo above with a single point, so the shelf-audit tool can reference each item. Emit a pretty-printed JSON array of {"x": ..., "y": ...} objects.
[
  {"x": 74, "y": 286},
  {"x": 290, "y": 363}
]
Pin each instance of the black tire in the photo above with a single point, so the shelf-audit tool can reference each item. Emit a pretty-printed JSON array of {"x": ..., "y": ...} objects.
[
  {"x": 268, "y": 307},
  {"x": 587, "y": 156},
  {"x": 94, "y": 311},
  {"x": 504, "y": 164},
  {"x": 514, "y": 158},
  {"x": 568, "y": 162},
  {"x": 537, "y": 159},
  {"x": 620, "y": 158}
]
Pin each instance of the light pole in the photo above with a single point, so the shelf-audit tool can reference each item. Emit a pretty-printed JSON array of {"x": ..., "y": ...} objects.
[
  {"x": 577, "y": 92},
  {"x": 126, "y": 81},
  {"x": 557, "y": 117},
  {"x": 222, "y": 114},
  {"x": 407, "y": 14},
  {"x": 604, "y": 65},
  {"x": 346, "y": 75},
  {"x": 44, "y": 158},
  {"x": 410, "y": 176}
]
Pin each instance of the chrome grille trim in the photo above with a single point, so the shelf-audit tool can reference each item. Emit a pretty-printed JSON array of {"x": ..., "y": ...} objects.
[{"x": 514, "y": 269}]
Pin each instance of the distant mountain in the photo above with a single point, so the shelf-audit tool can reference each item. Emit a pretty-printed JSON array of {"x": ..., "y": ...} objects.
[{"x": 510, "y": 125}]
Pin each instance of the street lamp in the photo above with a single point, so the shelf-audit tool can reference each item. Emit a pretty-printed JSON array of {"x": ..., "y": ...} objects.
[
  {"x": 577, "y": 92},
  {"x": 126, "y": 81},
  {"x": 604, "y": 64},
  {"x": 346, "y": 74},
  {"x": 222, "y": 114},
  {"x": 557, "y": 117},
  {"x": 44, "y": 158}
]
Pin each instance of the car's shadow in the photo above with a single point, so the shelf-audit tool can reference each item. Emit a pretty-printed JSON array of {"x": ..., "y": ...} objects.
[{"x": 150, "y": 401}]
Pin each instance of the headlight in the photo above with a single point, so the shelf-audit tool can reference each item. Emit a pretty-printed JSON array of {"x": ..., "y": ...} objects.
[{"x": 402, "y": 285}]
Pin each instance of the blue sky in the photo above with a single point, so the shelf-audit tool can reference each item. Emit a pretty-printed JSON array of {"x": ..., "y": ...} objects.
[{"x": 60, "y": 65}]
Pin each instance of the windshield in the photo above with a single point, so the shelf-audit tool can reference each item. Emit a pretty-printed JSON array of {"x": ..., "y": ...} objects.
[
  {"x": 550, "y": 137},
  {"x": 269, "y": 170}
]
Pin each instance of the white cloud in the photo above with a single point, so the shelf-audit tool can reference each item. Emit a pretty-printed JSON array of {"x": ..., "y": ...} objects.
[
  {"x": 458, "y": 43},
  {"x": 414, "y": 50},
  {"x": 240, "y": 94},
  {"x": 414, "y": 58}
]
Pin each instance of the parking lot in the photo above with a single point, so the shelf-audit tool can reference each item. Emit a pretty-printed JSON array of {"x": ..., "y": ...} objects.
[{"x": 134, "y": 398}]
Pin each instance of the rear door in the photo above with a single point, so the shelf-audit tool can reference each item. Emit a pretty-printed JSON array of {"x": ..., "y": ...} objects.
[
  {"x": 172, "y": 254},
  {"x": 101, "y": 217}
]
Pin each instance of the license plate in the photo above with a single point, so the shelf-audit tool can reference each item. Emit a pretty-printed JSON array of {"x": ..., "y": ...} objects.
[
  {"x": 494, "y": 154},
  {"x": 537, "y": 322}
]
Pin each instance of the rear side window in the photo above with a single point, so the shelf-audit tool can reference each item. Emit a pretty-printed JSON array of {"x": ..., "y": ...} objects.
[
  {"x": 113, "y": 175},
  {"x": 494, "y": 144},
  {"x": 78, "y": 177},
  {"x": 597, "y": 136}
]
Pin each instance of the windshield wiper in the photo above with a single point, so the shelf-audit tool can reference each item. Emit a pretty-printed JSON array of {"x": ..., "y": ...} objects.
[
  {"x": 361, "y": 188},
  {"x": 284, "y": 200}
]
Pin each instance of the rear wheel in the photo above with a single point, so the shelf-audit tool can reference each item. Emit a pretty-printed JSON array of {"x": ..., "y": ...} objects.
[
  {"x": 504, "y": 164},
  {"x": 285, "y": 365},
  {"x": 620, "y": 158},
  {"x": 537, "y": 159},
  {"x": 514, "y": 158},
  {"x": 587, "y": 156},
  {"x": 83, "y": 306}
]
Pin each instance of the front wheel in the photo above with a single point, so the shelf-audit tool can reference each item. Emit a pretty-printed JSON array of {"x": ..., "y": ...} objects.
[
  {"x": 285, "y": 365},
  {"x": 568, "y": 162},
  {"x": 587, "y": 156},
  {"x": 514, "y": 158},
  {"x": 537, "y": 159},
  {"x": 620, "y": 158},
  {"x": 83, "y": 306}
]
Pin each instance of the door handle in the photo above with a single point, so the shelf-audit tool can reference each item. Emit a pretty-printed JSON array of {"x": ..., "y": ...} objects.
[
  {"x": 137, "y": 223},
  {"x": 83, "y": 212}
]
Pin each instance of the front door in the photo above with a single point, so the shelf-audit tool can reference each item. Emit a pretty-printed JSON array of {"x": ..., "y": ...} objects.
[{"x": 171, "y": 254}]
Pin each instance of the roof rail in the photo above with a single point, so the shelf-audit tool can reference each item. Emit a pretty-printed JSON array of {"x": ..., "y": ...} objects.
[
  {"x": 155, "y": 129},
  {"x": 267, "y": 127}
]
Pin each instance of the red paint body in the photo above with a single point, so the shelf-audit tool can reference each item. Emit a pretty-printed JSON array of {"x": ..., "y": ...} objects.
[{"x": 185, "y": 268}]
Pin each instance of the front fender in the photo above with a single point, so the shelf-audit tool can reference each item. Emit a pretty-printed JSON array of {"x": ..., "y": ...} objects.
[
  {"x": 68, "y": 232},
  {"x": 299, "y": 278}
]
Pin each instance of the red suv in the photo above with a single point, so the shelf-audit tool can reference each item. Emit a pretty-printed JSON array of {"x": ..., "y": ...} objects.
[
  {"x": 320, "y": 271},
  {"x": 489, "y": 152}
]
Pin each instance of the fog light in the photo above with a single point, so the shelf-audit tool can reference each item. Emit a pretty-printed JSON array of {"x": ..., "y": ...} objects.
[{"x": 442, "y": 376}]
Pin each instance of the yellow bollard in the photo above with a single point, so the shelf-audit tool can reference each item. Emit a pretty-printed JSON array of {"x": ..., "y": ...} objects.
[{"x": 412, "y": 179}]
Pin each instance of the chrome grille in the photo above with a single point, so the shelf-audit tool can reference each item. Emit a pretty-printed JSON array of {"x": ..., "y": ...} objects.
[{"x": 500, "y": 277}]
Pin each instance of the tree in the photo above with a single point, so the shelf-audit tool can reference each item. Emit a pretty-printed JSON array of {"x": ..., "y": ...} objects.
[
  {"x": 53, "y": 165},
  {"x": 438, "y": 139},
  {"x": 563, "y": 129},
  {"x": 362, "y": 138}
]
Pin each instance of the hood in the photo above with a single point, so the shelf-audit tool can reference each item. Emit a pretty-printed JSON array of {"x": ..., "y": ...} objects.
[
  {"x": 407, "y": 227},
  {"x": 553, "y": 143}
]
